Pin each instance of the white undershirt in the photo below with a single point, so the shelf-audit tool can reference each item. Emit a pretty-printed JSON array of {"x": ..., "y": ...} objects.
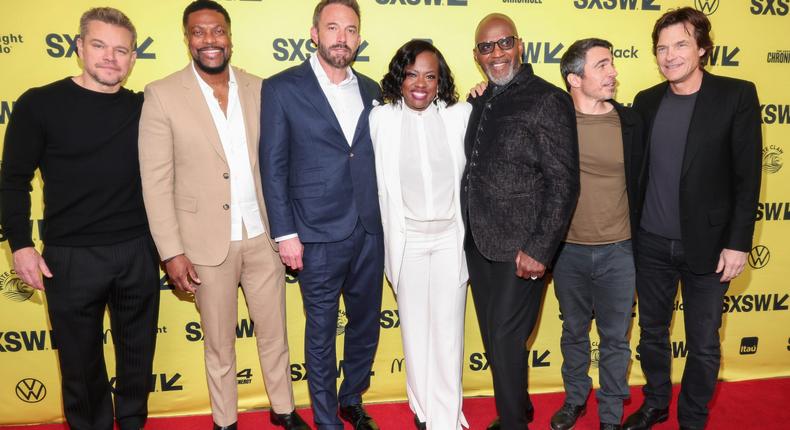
[
  {"x": 344, "y": 98},
  {"x": 426, "y": 168},
  {"x": 244, "y": 210}
]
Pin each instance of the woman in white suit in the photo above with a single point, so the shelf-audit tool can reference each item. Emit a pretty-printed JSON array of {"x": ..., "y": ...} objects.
[{"x": 418, "y": 139}]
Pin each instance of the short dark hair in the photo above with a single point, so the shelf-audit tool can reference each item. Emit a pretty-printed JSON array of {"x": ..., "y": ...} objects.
[
  {"x": 324, "y": 3},
  {"x": 201, "y": 5},
  {"x": 575, "y": 56},
  {"x": 405, "y": 56},
  {"x": 696, "y": 19},
  {"x": 110, "y": 16}
]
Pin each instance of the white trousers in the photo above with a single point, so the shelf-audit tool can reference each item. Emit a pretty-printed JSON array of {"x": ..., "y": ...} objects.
[{"x": 431, "y": 305}]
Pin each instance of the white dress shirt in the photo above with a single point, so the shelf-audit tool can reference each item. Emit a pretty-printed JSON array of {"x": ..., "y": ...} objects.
[
  {"x": 344, "y": 98},
  {"x": 244, "y": 211},
  {"x": 427, "y": 177}
]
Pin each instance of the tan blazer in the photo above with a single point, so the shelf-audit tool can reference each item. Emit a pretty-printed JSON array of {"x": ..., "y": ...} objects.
[{"x": 186, "y": 185}]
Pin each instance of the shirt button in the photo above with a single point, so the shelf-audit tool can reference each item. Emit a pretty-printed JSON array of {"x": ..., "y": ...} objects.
[
  {"x": 226, "y": 206},
  {"x": 488, "y": 105},
  {"x": 226, "y": 175}
]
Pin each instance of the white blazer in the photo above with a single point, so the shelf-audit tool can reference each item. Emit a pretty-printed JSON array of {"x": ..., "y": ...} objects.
[{"x": 385, "y": 131}]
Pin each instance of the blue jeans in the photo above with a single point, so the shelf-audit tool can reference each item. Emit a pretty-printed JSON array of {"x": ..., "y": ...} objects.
[{"x": 596, "y": 281}]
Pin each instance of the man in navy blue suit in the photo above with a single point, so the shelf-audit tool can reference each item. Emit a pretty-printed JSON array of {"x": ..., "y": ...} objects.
[{"x": 319, "y": 184}]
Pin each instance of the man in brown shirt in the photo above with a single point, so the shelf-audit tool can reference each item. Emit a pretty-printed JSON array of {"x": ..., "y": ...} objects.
[{"x": 594, "y": 272}]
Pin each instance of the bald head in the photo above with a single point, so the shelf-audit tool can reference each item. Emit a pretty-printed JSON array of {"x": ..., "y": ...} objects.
[{"x": 495, "y": 20}]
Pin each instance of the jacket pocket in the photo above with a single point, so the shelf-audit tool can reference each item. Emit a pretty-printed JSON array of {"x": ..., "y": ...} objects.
[
  {"x": 307, "y": 191},
  {"x": 184, "y": 203}
]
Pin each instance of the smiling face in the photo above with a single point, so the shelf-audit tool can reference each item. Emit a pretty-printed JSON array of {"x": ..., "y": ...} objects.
[
  {"x": 107, "y": 56},
  {"x": 599, "y": 82},
  {"x": 500, "y": 65},
  {"x": 421, "y": 81},
  {"x": 208, "y": 36},
  {"x": 337, "y": 35},
  {"x": 678, "y": 55}
]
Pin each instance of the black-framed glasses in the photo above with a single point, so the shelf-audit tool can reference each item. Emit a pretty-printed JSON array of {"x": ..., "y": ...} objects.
[{"x": 505, "y": 44}]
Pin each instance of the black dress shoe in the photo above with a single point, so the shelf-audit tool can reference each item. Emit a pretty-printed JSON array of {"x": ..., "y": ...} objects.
[
  {"x": 690, "y": 428},
  {"x": 419, "y": 424},
  {"x": 605, "y": 426},
  {"x": 645, "y": 418},
  {"x": 494, "y": 424},
  {"x": 565, "y": 418},
  {"x": 357, "y": 417},
  {"x": 230, "y": 427},
  {"x": 290, "y": 421}
]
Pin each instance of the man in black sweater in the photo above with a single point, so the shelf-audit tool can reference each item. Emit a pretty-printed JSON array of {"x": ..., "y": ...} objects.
[{"x": 81, "y": 133}]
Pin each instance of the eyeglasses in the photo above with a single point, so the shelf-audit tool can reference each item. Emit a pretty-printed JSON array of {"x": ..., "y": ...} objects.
[{"x": 505, "y": 44}]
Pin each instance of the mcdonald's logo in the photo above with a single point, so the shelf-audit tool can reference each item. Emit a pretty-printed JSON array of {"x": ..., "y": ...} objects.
[
  {"x": 708, "y": 7},
  {"x": 397, "y": 364},
  {"x": 759, "y": 256},
  {"x": 31, "y": 390}
]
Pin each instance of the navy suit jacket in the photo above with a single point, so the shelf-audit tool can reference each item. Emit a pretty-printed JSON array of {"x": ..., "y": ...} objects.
[{"x": 314, "y": 183}]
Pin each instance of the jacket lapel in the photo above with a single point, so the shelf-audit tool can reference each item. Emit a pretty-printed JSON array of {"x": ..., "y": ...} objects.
[
  {"x": 315, "y": 95},
  {"x": 704, "y": 115},
  {"x": 367, "y": 105},
  {"x": 197, "y": 104},
  {"x": 247, "y": 102}
]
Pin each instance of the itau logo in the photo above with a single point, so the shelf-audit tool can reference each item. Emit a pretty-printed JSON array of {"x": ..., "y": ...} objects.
[
  {"x": 13, "y": 288},
  {"x": 749, "y": 345},
  {"x": 772, "y": 159}
]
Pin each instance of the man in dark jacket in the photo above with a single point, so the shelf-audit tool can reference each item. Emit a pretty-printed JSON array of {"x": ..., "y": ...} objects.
[
  {"x": 702, "y": 183},
  {"x": 594, "y": 272},
  {"x": 519, "y": 188}
]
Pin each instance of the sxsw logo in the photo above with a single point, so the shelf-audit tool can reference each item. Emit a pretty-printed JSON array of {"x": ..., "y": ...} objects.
[
  {"x": 424, "y": 2},
  {"x": 755, "y": 303},
  {"x": 679, "y": 350},
  {"x": 773, "y": 211},
  {"x": 245, "y": 328},
  {"x": 708, "y": 7},
  {"x": 5, "y": 110},
  {"x": 724, "y": 56},
  {"x": 749, "y": 345},
  {"x": 617, "y": 4},
  {"x": 299, "y": 371},
  {"x": 300, "y": 49},
  {"x": 770, "y": 7},
  {"x": 65, "y": 45},
  {"x": 27, "y": 340},
  {"x": 478, "y": 361},
  {"x": 542, "y": 52},
  {"x": 775, "y": 114},
  {"x": 759, "y": 257},
  {"x": 772, "y": 159},
  {"x": 389, "y": 318},
  {"x": 160, "y": 382}
]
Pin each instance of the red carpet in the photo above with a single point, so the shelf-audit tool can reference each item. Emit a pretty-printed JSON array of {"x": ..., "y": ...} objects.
[{"x": 761, "y": 404}]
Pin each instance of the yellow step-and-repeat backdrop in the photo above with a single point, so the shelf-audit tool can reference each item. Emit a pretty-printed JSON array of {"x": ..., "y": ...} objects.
[{"x": 752, "y": 40}]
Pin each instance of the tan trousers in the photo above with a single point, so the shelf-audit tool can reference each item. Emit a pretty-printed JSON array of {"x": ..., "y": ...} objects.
[{"x": 254, "y": 263}]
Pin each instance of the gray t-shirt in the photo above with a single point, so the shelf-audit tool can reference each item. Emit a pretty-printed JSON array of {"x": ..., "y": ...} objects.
[{"x": 661, "y": 213}]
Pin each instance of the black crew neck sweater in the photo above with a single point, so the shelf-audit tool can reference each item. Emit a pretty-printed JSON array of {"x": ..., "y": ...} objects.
[{"x": 85, "y": 145}]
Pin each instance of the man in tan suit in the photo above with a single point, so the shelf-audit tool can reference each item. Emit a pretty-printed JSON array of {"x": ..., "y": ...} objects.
[{"x": 198, "y": 147}]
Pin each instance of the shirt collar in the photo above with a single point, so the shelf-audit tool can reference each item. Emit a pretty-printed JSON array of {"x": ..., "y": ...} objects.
[
  {"x": 323, "y": 79},
  {"x": 203, "y": 84}
]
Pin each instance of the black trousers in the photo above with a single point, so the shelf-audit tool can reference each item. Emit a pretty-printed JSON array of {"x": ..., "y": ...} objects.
[
  {"x": 660, "y": 264},
  {"x": 507, "y": 309},
  {"x": 123, "y": 277}
]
